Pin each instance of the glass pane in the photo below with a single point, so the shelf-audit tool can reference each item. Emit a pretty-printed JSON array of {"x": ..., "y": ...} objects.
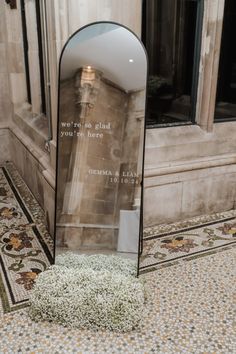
[
  {"x": 101, "y": 141},
  {"x": 169, "y": 33},
  {"x": 226, "y": 86}
]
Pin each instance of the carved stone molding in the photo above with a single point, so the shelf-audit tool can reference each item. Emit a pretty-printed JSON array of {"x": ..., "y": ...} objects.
[{"x": 87, "y": 83}]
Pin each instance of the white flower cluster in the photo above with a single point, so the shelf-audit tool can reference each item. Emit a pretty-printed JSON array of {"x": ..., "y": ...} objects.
[
  {"x": 94, "y": 292},
  {"x": 98, "y": 262}
]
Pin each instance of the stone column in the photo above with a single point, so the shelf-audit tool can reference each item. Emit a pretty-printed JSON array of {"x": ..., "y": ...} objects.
[
  {"x": 209, "y": 63},
  {"x": 87, "y": 83}
]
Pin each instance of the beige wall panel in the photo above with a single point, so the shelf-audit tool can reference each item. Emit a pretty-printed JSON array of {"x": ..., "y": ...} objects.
[
  {"x": 162, "y": 204},
  {"x": 5, "y": 146},
  {"x": 2, "y": 23},
  {"x": 15, "y": 57},
  {"x": 13, "y": 23},
  {"x": 17, "y": 88},
  {"x": 3, "y": 58},
  {"x": 203, "y": 191},
  {"x": 206, "y": 196},
  {"x": 5, "y": 104}
]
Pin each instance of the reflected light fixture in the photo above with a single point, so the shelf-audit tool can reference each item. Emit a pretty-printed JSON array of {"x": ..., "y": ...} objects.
[
  {"x": 89, "y": 67},
  {"x": 131, "y": 60}
]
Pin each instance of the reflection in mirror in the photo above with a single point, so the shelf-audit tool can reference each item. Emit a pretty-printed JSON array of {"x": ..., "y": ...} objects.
[{"x": 100, "y": 142}]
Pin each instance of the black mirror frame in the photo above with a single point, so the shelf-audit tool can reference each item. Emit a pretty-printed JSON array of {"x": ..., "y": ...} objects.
[{"x": 140, "y": 246}]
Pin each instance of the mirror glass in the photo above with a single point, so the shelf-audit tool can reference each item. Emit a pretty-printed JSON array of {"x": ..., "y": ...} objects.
[{"x": 101, "y": 124}]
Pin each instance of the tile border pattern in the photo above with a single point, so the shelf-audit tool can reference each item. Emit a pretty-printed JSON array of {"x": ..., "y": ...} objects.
[
  {"x": 26, "y": 246},
  {"x": 166, "y": 245}
]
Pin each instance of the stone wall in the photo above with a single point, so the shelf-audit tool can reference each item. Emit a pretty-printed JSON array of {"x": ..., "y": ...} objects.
[
  {"x": 23, "y": 129},
  {"x": 189, "y": 172},
  {"x": 85, "y": 199},
  {"x": 108, "y": 143},
  {"x": 5, "y": 102}
]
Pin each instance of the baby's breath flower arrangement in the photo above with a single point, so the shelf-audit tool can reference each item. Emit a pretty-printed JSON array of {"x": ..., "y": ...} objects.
[{"x": 93, "y": 292}]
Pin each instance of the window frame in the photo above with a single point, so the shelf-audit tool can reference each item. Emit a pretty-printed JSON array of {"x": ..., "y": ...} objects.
[
  {"x": 209, "y": 63},
  {"x": 196, "y": 64},
  {"x": 229, "y": 119},
  {"x": 25, "y": 47},
  {"x": 41, "y": 38}
]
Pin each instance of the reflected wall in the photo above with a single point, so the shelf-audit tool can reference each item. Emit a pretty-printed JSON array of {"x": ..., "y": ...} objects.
[{"x": 102, "y": 92}]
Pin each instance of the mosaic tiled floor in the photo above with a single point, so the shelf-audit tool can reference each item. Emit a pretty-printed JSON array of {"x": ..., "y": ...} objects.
[
  {"x": 191, "y": 300},
  {"x": 190, "y": 309},
  {"x": 24, "y": 241},
  {"x": 167, "y": 244}
]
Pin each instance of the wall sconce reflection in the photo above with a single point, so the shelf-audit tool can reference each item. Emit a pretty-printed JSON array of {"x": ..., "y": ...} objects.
[{"x": 87, "y": 83}]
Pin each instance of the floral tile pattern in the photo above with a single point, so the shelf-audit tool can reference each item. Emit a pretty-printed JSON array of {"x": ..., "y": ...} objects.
[
  {"x": 165, "y": 244},
  {"x": 153, "y": 231},
  {"x": 25, "y": 245},
  {"x": 190, "y": 304}
]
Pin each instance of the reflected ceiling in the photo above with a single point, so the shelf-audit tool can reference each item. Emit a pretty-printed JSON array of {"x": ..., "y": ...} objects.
[{"x": 110, "y": 50}]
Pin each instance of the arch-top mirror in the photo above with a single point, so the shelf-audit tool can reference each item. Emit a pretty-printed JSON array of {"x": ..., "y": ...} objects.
[{"x": 101, "y": 124}]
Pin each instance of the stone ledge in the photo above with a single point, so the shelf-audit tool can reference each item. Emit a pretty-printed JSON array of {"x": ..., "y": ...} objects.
[
  {"x": 178, "y": 145},
  {"x": 186, "y": 134},
  {"x": 4, "y": 125},
  {"x": 190, "y": 165},
  {"x": 33, "y": 125},
  {"x": 41, "y": 156}
]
